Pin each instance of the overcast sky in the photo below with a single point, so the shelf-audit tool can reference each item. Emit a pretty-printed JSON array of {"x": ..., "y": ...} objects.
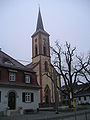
[{"x": 64, "y": 20}]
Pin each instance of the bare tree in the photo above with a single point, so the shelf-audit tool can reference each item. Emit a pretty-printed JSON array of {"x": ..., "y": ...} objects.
[
  {"x": 85, "y": 72},
  {"x": 69, "y": 66}
]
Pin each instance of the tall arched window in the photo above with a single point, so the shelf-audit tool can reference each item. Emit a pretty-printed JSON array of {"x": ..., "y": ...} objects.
[
  {"x": 44, "y": 50},
  {"x": 47, "y": 94},
  {"x": 46, "y": 66},
  {"x": 36, "y": 52}
]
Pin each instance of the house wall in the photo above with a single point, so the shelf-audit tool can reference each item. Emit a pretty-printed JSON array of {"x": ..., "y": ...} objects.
[
  {"x": 19, "y": 103},
  {"x": 19, "y": 76},
  {"x": 82, "y": 101}
]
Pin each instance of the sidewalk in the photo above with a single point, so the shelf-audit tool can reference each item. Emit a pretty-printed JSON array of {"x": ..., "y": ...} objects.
[{"x": 48, "y": 115}]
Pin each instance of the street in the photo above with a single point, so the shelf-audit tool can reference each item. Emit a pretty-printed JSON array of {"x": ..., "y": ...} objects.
[{"x": 51, "y": 115}]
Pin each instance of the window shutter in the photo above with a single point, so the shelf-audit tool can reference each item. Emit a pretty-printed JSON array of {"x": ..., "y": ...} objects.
[
  {"x": 23, "y": 78},
  {"x": 23, "y": 97},
  {"x": 0, "y": 75},
  {"x": 0, "y": 96},
  {"x": 31, "y": 79},
  {"x": 32, "y": 97}
]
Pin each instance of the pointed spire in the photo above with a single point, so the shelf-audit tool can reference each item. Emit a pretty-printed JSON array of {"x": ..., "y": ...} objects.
[
  {"x": 40, "y": 27},
  {"x": 39, "y": 22}
]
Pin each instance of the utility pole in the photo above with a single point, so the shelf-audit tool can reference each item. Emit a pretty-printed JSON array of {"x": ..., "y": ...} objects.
[{"x": 55, "y": 90}]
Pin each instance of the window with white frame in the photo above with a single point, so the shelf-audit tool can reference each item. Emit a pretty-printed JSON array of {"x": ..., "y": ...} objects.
[
  {"x": 27, "y": 79},
  {"x": 27, "y": 97},
  {"x": 12, "y": 76}
]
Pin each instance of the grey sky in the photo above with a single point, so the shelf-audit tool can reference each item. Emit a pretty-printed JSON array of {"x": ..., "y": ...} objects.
[{"x": 64, "y": 20}]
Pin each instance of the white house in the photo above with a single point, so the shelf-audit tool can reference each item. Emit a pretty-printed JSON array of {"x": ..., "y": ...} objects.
[
  {"x": 83, "y": 94},
  {"x": 18, "y": 85}
]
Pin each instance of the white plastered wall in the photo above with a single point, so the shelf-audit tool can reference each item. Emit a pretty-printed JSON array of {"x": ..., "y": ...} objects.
[{"x": 19, "y": 103}]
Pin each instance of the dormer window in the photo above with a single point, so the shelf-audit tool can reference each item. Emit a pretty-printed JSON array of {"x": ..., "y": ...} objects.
[
  {"x": 7, "y": 61},
  {"x": 27, "y": 79},
  {"x": 12, "y": 76}
]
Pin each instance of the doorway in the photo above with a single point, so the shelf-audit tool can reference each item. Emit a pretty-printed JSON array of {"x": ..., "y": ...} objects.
[{"x": 12, "y": 100}]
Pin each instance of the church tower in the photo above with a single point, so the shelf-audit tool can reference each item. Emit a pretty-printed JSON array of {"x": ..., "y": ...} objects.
[
  {"x": 40, "y": 41},
  {"x": 41, "y": 62}
]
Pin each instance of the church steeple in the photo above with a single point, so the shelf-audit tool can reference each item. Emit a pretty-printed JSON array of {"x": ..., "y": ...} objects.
[
  {"x": 40, "y": 27},
  {"x": 41, "y": 62},
  {"x": 39, "y": 22},
  {"x": 40, "y": 40}
]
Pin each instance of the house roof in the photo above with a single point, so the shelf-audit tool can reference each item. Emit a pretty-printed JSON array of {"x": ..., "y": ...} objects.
[
  {"x": 80, "y": 90},
  {"x": 19, "y": 85},
  {"x": 32, "y": 65},
  {"x": 9, "y": 62},
  {"x": 83, "y": 89}
]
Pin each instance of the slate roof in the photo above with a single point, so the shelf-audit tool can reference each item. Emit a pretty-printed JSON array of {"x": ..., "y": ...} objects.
[
  {"x": 40, "y": 27},
  {"x": 83, "y": 89},
  {"x": 32, "y": 65},
  {"x": 39, "y": 22},
  {"x": 80, "y": 90},
  {"x": 8, "y": 61}
]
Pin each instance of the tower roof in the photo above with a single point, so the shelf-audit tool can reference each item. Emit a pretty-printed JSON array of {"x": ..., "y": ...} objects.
[
  {"x": 39, "y": 27},
  {"x": 39, "y": 22}
]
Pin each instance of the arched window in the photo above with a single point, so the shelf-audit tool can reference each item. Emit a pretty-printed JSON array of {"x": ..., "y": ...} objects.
[
  {"x": 46, "y": 66},
  {"x": 36, "y": 52},
  {"x": 44, "y": 50},
  {"x": 47, "y": 94}
]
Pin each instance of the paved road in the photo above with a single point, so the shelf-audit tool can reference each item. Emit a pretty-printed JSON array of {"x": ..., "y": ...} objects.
[{"x": 47, "y": 115}]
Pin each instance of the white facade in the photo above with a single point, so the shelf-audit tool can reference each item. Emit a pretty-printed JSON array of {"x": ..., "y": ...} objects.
[
  {"x": 19, "y": 104},
  {"x": 84, "y": 100}
]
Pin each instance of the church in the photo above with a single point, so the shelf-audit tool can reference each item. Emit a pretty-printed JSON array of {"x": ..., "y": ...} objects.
[
  {"x": 41, "y": 64},
  {"x": 23, "y": 87}
]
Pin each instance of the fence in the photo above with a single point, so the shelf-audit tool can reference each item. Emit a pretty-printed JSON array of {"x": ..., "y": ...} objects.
[{"x": 74, "y": 116}]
